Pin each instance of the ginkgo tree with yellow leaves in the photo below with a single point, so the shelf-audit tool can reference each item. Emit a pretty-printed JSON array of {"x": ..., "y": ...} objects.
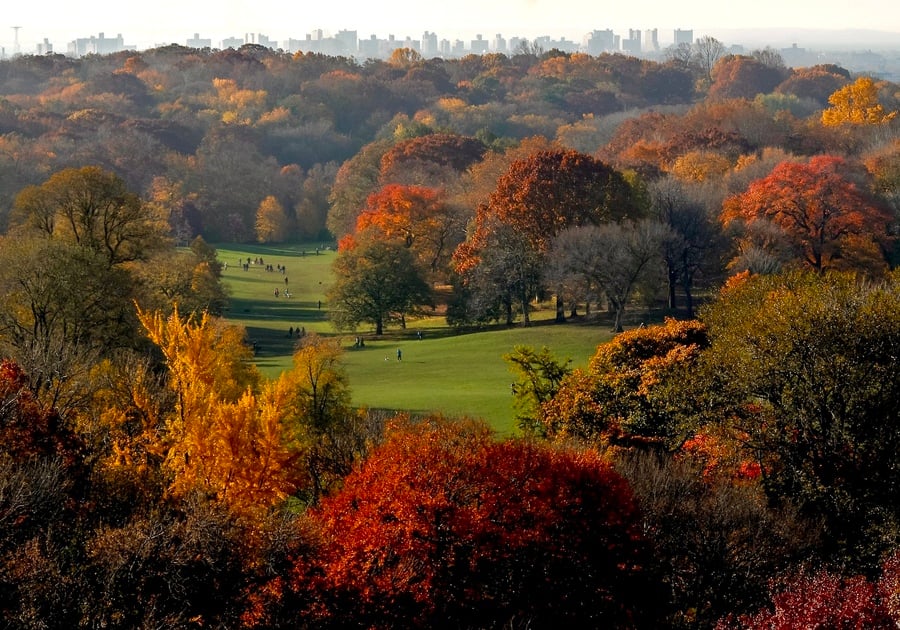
[
  {"x": 244, "y": 441},
  {"x": 227, "y": 436},
  {"x": 856, "y": 104}
]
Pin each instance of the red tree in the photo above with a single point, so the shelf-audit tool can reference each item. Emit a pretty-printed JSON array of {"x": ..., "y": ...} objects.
[
  {"x": 443, "y": 525},
  {"x": 827, "y": 600},
  {"x": 822, "y": 213}
]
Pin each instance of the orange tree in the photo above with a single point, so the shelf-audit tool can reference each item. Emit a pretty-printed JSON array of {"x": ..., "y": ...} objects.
[
  {"x": 825, "y": 217},
  {"x": 417, "y": 216},
  {"x": 625, "y": 395},
  {"x": 443, "y": 525},
  {"x": 538, "y": 197}
]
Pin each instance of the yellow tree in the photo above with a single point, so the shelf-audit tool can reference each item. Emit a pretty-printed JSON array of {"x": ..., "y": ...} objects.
[
  {"x": 334, "y": 435},
  {"x": 856, "y": 104},
  {"x": 223, "y": 439},
  {"x": 272, "y": 222}
]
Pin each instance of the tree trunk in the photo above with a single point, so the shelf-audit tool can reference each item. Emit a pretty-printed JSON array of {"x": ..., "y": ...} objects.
[
  {"x": 673, "y": 282},
  {"x": 379, "y": 326},
  {"x": 560, "y": 310}
]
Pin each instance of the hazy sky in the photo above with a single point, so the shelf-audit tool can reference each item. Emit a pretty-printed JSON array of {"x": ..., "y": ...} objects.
[{"x": 161, "y": 21}]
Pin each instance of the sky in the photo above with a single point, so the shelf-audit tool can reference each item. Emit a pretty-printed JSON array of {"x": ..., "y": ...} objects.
[{"x": 147, "y": 24}]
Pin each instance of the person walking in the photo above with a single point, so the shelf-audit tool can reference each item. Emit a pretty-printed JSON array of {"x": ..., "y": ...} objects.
[{"x": 399, "y": 354}]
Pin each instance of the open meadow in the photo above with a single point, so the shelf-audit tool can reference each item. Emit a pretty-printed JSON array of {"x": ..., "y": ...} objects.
[{"x": 443, "y": 371}]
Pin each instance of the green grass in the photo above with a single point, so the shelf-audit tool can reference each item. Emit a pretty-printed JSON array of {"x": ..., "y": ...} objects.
[{"x": 457, "y": 374}]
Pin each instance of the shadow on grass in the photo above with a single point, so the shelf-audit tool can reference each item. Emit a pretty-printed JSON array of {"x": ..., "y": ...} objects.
[{"x": 288, "y": 310}]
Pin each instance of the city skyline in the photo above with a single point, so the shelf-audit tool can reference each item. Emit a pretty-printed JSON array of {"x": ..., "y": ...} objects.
[{"x": 171, "y": 21}]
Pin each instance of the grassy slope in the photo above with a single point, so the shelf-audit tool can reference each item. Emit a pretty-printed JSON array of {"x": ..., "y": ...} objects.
[{"x": 457, "y": 374}]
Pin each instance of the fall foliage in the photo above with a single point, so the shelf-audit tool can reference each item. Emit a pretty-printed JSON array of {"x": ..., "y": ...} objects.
[{"x": 823, "y": 214}]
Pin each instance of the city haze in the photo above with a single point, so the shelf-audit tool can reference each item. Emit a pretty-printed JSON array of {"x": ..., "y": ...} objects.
[{"x": 170, "y": 21}]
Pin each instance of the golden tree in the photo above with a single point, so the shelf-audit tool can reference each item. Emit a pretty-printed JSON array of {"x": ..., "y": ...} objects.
[
  {"x": 272, "y": 222},
  {"x": 856, "y": 104},
  {"x": 224, "y": 438}
]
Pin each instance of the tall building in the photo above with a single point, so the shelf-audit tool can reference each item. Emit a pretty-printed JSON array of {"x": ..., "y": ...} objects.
[
  {"x": 197, "y": 42},
  {"x": 651, "y": 40},
  {"x": 368, "y": 48},
  {"x": 499, "y": 44},
  {"x": 479, "y": 45},
  {"x": 597, "y": 42},
  {"x": 231, "y": 42},
  {"x": 347, "y": 42},
  {"x": 632, "y": 45},
  {"x": 684, "y": 36},
  {"x": 430, "y": 45}
]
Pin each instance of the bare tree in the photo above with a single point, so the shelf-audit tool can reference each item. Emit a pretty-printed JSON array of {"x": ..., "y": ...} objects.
[{"x": 707, "y": 51}]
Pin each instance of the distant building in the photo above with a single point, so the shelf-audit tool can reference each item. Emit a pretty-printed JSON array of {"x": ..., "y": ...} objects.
[
  {"x": 368, "y": 48},
  {"x": 684, "y": 36},
  {"x": 100, "y": 45},
  {"x": 597, "y": 42},
  {"x": 197, "y": 42},
  {"x": 651, "y": 40},
  {"x": 563, "y": 45},
  {"x": 44, "y": 48},
  {"x": 479, "y": 45},
  {"x": 264, "y": 40},
  {"x": 231, "y": 42},
  {"x": 499, "y": 44},
  {"x": 430, "y": 45},
  {"x": 632, "y": 45},
  {"x": 347, "y": 42}
]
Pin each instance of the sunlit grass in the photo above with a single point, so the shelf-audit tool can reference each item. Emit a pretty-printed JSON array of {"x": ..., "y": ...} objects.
[{"x": 457, "y": 374}]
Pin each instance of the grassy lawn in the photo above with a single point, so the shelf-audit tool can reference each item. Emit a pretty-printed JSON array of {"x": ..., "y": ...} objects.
[{"x": 444, "y": 371}]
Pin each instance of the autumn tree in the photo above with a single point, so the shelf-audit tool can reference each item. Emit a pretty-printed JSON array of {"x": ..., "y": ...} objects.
[
  {"x": 856, "y": 104},
  {"x": 376, "y": 282},
  {"x": 824, "y": 215},
  {"x": 540, "y": 196},
  {"x": 333, "y": 435},
  {"x": 817, "y": 83},
  {"x": 805, "y": 367},
  {"x": 826, "y": 598},
  {"x": 738, "y": 76},
  {"x": 429, "y": 160},
  {"x": 443, "y": 524},
  {"x": 356, "y": 179},
  {"x": 717, "y": 541},
  {"x": 224, "y": 437},
  {"x": 624, "y": 396},
  {"x": 63, "y": 307},
  {"x": 92, "y": 208},
  {"x": 417, "y": 216},
  {"x": 273, "y": 224}
]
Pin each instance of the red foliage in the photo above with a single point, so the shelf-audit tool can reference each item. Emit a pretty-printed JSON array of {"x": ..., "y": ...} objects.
[
  {"x": 441, "y": 149},
  {"x": 824, "y": 600},
  {"x": 27, "y": 429},
  {"x": 545, "y": 193},
  {"x": 443, "y": 525},
  {"x": 817, "y": 207}
]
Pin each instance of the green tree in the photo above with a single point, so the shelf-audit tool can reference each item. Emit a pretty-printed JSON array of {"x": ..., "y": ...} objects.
[
  {"x": 806, "y": 367},
  {"x": 377, "y": 282},
  {"x": 94, "y": 209}
]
